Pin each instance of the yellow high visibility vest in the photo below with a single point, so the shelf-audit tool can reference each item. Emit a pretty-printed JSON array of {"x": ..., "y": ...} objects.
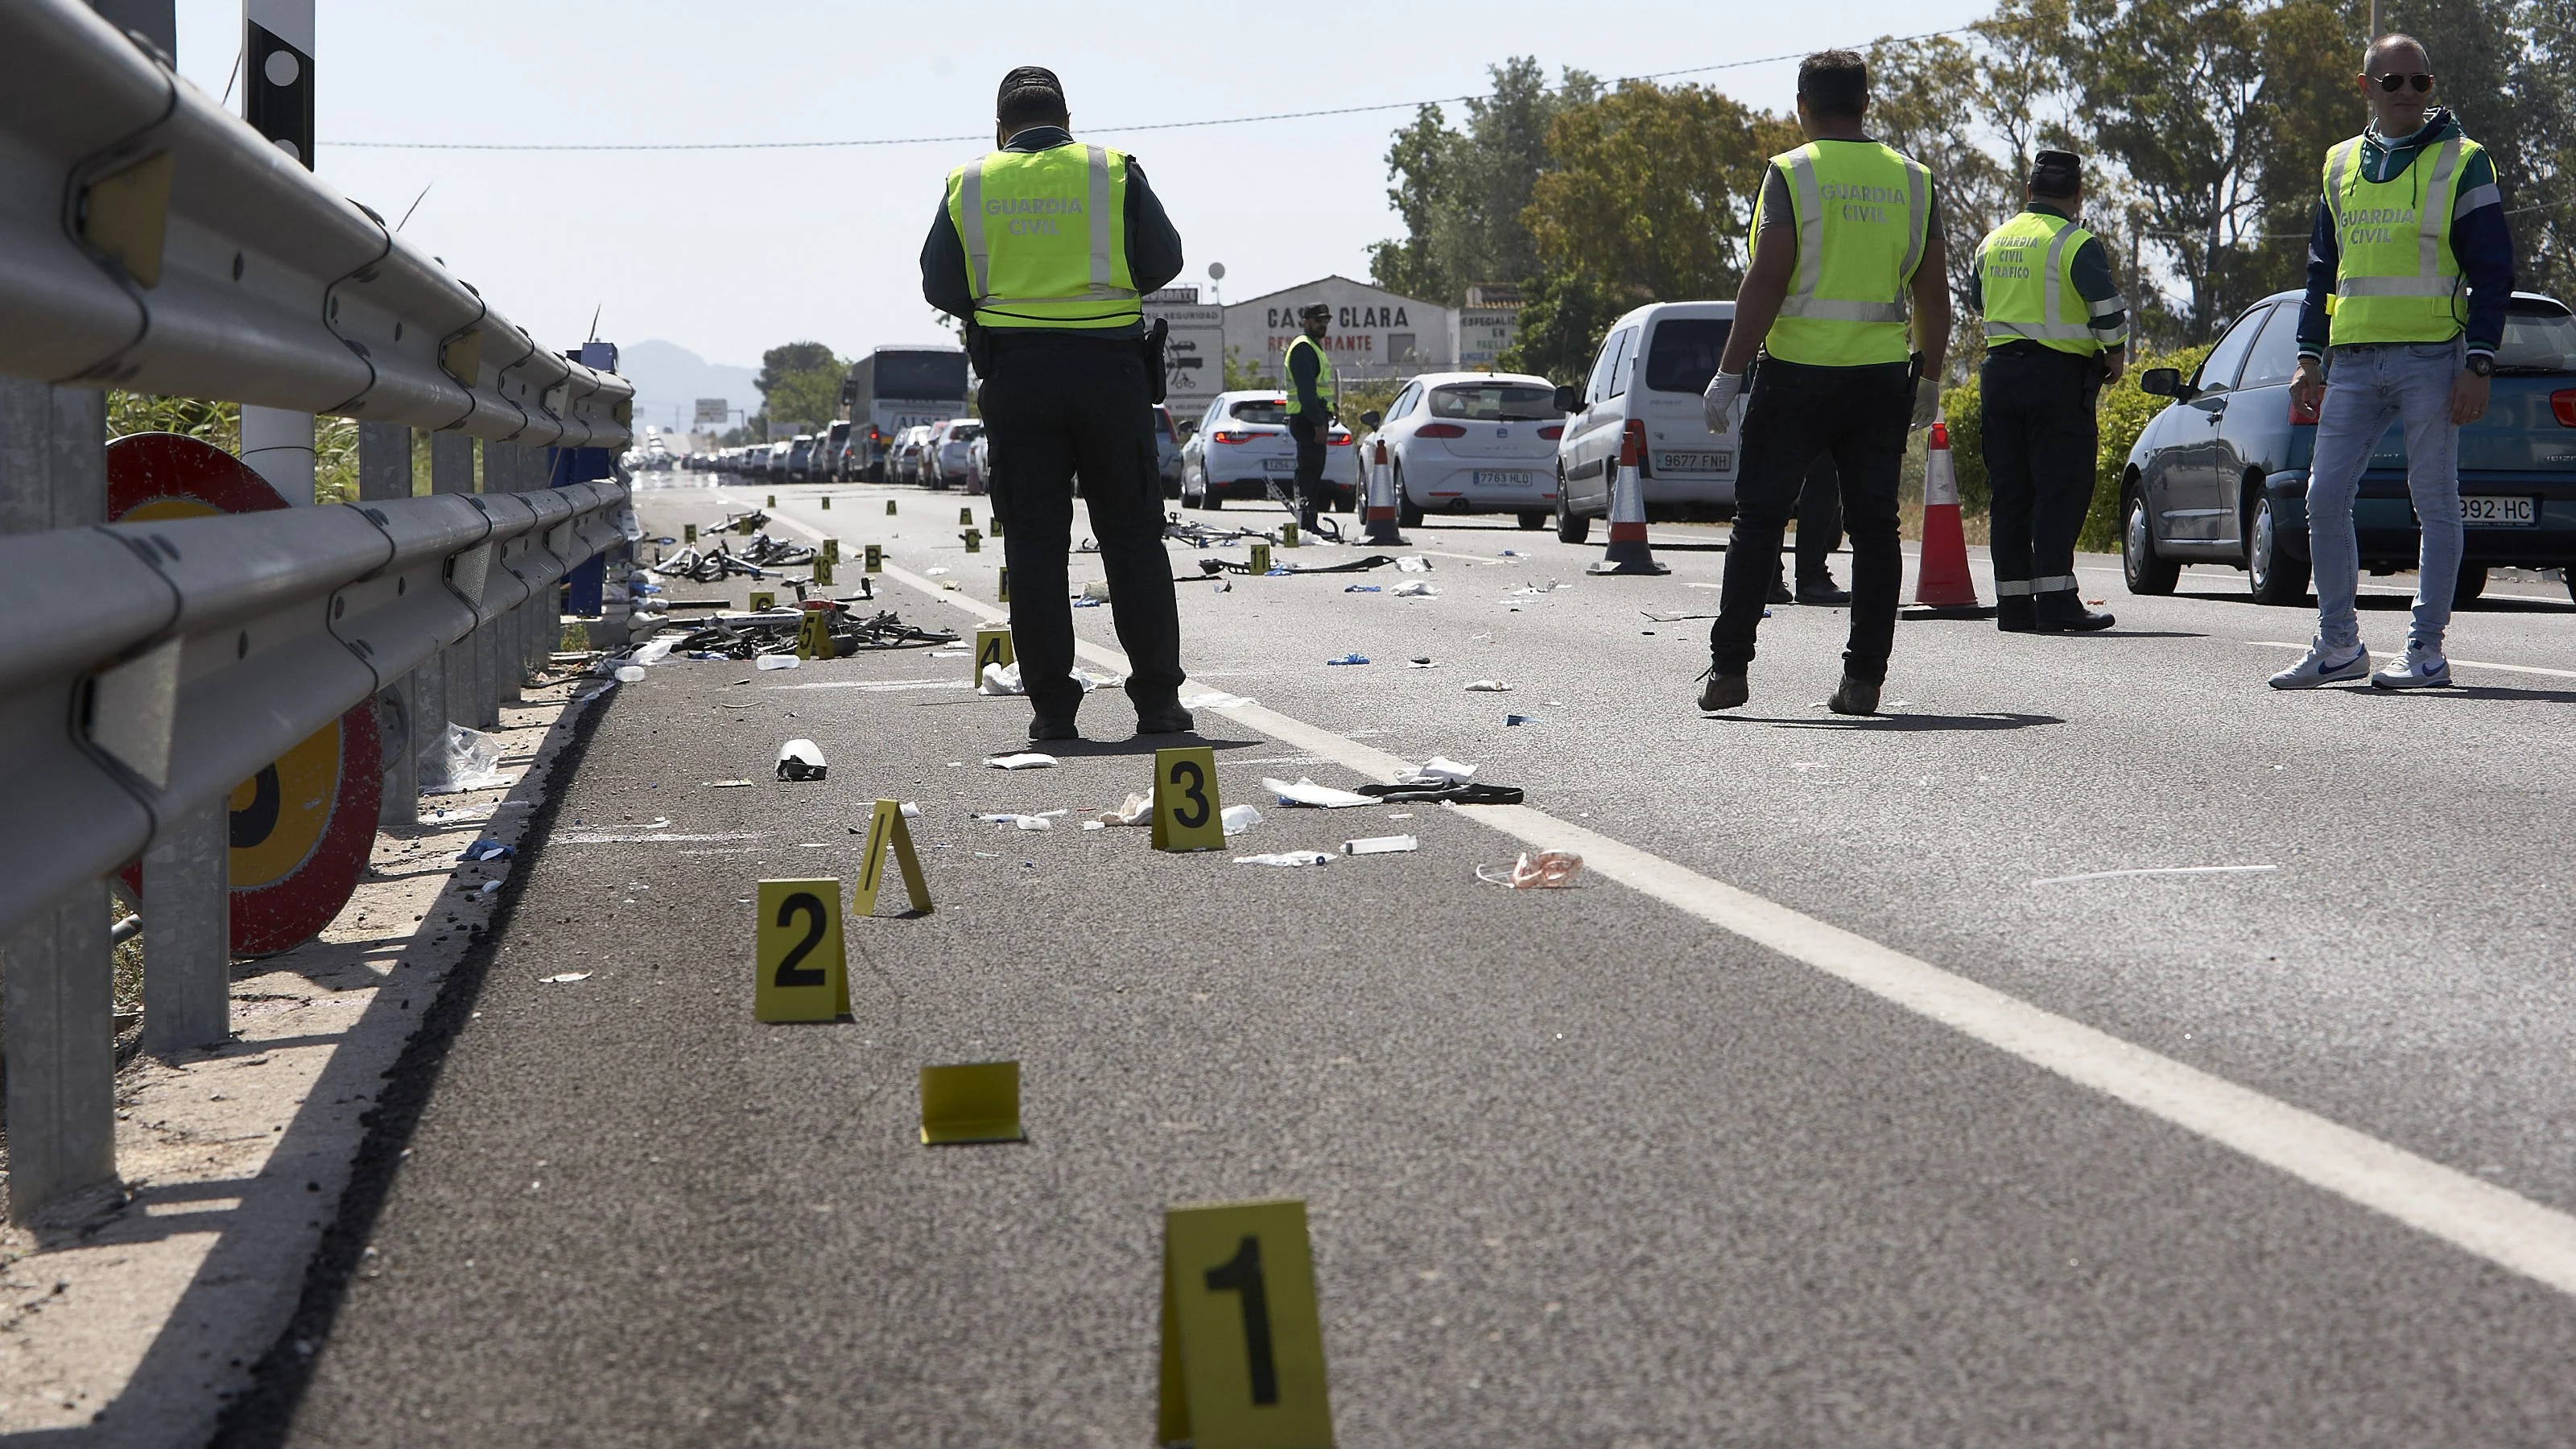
[
  {"x": 2026, "y": 274},
  {"x": 1046, "y": 238},
  {"x": 1863, "y": 211},
  {"x": 2397, "y": 280},
  {"x": 1323, "y": 373}
]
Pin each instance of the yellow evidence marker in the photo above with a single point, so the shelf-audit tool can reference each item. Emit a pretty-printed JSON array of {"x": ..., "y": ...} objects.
[
  {"x": 1243, "y": 1343},
  {"x": 1260, "y": 563},
  {"x": 827, "y": 503},
  {"x": 803, "y": 974},
  {"x": 993, "y": 646},
  {"x": 976, "y": 1102},
  {"x": 814, "y": 636},
  {"x": 773, "y": 501},
  {"x": 1006, "y": 583},
  {"x": 997, "y": 525},
  {"x": 832, "y": 549},
  {"x": 689, "y": 532},
  {"x": 887, "y": 830},
  {"x": 822, "y": 570},
  {"x": 763, "y": 600},
  {"x": 1186, "y": 813},
  {"x": 974, "y": 541},
  {"x": 889, "y": 508},
  {"x": 966, "y": 517},
  {"x": 1288, "y": 534},
  {"x": 875, "y": 561}
]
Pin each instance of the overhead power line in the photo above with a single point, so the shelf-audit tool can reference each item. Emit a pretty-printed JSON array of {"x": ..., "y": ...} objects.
[{"x": 1104, "y": 130}]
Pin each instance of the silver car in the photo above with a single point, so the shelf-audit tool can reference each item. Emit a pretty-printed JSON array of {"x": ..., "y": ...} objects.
[
  {"x": 943, "y": 452},
  {"x": 1648, "y": 379}
]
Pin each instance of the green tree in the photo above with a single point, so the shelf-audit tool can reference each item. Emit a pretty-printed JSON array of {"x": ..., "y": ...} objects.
[
  {"x": 1463, "y": 193},
  {"x": 1653, "y": 188},
  {"x": 779, "y": 363},
  {"x": 800, "y": 384},
  {"x": 1563, "y": 319}
]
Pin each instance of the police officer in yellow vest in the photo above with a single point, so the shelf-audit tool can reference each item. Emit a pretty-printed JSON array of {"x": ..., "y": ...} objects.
[
  {"x": 2410, "y": 269},
  {"x": 1045, "y": 248},
  {"x": 1847, "y": 231},
  {"x": 2056, "y": 331},
  {"x": 1308, "y": 373}
]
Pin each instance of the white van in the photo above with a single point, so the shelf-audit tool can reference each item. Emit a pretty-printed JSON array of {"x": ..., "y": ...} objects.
[{"x": 1652, "y": 369}]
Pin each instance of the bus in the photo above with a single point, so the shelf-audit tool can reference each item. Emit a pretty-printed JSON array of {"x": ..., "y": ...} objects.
[{"x": 894, "y": 388}]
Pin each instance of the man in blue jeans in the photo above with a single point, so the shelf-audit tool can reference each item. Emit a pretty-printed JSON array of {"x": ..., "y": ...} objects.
[{"x": 2410, "y": 221}]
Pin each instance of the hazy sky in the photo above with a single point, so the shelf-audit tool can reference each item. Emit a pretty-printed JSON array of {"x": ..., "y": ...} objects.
[{"x": 730, "y": 252}]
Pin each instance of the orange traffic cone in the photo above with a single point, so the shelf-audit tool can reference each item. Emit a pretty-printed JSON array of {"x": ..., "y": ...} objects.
[
  {"x": 1379, "y": 511},
  {"x": 1628, "y": 553},
  {"x": 1943, "y": 588}
]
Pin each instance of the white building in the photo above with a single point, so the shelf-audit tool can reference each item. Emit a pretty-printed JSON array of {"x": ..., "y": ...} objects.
[{"x": 1374, "y": 334}]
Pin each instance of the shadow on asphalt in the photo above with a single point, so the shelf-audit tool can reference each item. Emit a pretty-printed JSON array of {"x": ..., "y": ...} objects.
[
  {"x": 1899, "y": 723},
  {"x": 1133, "y": 745},
  {"x": 2474, "y": 691},
  {"x": 2398, "y": 604}
]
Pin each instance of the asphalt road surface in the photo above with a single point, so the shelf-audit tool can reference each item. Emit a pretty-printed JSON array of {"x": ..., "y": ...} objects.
[{"x": 1863, "y": 1094}]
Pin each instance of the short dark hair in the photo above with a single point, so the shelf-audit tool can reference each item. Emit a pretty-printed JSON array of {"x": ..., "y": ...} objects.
[
  {"x": 1030, "y": 103},
  {"x": 2371, "y": 51},
  {"x": 1834, "y": 83}
]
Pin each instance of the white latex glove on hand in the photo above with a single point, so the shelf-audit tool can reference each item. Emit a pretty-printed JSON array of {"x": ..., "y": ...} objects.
[
  {"x": 1927, "y": 404},
  {"x": 1718, "y": 403}
]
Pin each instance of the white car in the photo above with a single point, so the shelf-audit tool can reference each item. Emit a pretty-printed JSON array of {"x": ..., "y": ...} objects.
[
  {"x": 1651, "y": 371},
  {"x": 1240, "y": 446},
  {"x": 1472, "y": 442},
  {"x": 943, "y": 453},
  {"x": 903, "y": 456},
  {"x": 979, "y": 464}
]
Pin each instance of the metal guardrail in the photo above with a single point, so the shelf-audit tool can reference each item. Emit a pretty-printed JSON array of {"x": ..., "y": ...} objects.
[
  {"x": 155, "y": 242},
  {"x": 150, "y": 241},
  {"x": 195, "y": 651}
]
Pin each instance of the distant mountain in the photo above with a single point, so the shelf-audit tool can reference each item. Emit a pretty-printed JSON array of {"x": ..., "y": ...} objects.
[{"x": 669, "y": 379}]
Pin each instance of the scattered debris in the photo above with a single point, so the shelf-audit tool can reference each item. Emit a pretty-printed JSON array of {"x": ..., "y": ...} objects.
[
  {"x": 1439, "y": 769},
  {"x": 1024, "y": 760},
  {"x": 1413, "y": 563},
  {"x": 778, "y": 661},
  {"x": 1520, "y": 719},
  {"x": 1352, "y": 658},
  {"x": 1239, "y": 818},
  {"x": 800, "y": 760},
  {"x": 727, "y": 784},
  {"x": 754, "y": 636},
  {"x": 1547, "y": 870},
  {"x": 1287, "y": 857},
  {"x": 563, "y": 978},
  {"x": 462, "y": 759},
  {"x": 1045, "y": 821},
  {"x": 1488, "y": 686},
  {"x": 490, "y": 849},
  {"x": 1307, "y": 792},
  {"x": 1138, "y": 810},
  {"x": 1380, "y": 845},
  {"x": 1417, "y": 589},
  {"x": 1420, "y": 661}
]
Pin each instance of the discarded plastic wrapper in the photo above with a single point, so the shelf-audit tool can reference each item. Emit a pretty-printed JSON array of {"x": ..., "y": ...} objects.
[
  {"x": 727, "y": 784},
  {"x": 1025, "y": 760},
  {"x": 1418, "y": 589},
  {"x": 1380, "y": 845},
  {"x": 934, "y": 573},
  {"x": 1213, "y": 699},
  {"x": 654, "y": 651},
  {"x": 1413, "y": 563},
  {"x": 1001, "y": 679},
  {"x": 629, "y": 674},
  {"x": 777, "y": 661},
  {"x": 1439, "y": 768},
  {"x": 487, "y": 849},
  {"x": 1520, "y": 719},
  {"x": 950, "y": 653},
  {"x": 1547, "y": 870},
  {"x": 1139, "y": 810},
  {"x": 490, "y": 886},
  {"x": 563, "y": 978},
  {"x": 1096, "y": 590},
  {"x": 1285, "y": 857},
  {"x": 801, "y": 760},
  {"x": 1024, "y": 822},
  {"x": 461, "y": 759},
  {"x": 1307, "y": 792},
  {"x": 1363, "y": 589},
  {"x": 1239, "y": 818},
  {"x": 1489, "y": 686},
  {"x": 1353, "y": 658},
  {"x": 910, "y": 810}
]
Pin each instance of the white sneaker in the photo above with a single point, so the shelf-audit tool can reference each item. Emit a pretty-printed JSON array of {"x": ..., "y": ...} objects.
[
  {"x": 2418, "y": 668},
  {"x": 2325, "y": 666}
]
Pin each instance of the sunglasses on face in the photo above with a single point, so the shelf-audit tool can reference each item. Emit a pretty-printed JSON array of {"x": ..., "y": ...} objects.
[{"x": 2392, "y": 83}]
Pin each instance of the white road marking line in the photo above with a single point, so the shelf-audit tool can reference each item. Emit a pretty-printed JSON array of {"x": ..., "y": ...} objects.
[
  {"x": 2156, "y": 870},
  {"x": 603, "y": 837},
  {"x": 2462, "y": 663},
  {"x": 877, "y": 686},
  {"x": 2475, "y": 1216}
]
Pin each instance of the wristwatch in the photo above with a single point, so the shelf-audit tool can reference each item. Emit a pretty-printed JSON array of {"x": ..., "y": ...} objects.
[{"x": 2481, "y": 364}]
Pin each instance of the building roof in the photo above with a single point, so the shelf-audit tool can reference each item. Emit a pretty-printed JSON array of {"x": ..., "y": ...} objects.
[{"x": 1335, "y": 277}]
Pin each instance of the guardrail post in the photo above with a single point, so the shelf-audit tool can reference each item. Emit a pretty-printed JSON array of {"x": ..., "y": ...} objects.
[
  {"x": 451, "y": 470},
  {"x": 511, "y": 630},
  {"x": 57, "y": 994},
  {"x": 187, "y": 932},
  {"x": 61, "y": 1044},
  {"x": 384, "y": 473}
]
